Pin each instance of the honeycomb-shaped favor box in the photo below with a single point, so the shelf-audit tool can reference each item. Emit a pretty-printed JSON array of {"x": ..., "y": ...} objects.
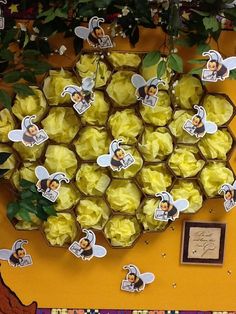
[{"x": 121, "y": 204}]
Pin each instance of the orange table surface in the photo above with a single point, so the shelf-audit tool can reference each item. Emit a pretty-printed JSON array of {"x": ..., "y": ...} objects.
[{"x": 58, "y": 279}]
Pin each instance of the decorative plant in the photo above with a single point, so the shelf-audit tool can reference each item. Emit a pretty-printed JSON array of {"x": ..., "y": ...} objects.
[{"x": 3, "y": 159}]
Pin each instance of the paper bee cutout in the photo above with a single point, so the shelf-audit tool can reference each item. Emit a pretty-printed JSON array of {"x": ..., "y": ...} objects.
[
  {"x": 217, "y": 68},
  {"x": 94, "y": 34},
  {"x": 169, "y": 209},
  {"x": 86, "y": 248},
  {"x": 17, "y": 256},
  {"x": 29, "y": 134},
  {"x": 229, "y": 195},
  {"x": 198, "y": 126},
  {"x": 82, "y": 96},
  {"x": 49, "y": 185},
  {"x": 146, "y": 91},
  {"x": 117, "y": 158},
  {"x": 134, "y": 280}
]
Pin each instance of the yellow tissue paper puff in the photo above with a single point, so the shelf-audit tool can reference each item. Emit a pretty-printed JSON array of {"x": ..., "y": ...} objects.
[
  {"x": 217, "y": 145},
  {"x": 54, "y": 85},
  {"x": 87, "y": 67},
  {"x": 30, "y": 105},
  {"x": 187, "y": 91},
  {"x": 154, "y": 178},
  {"x": 146, "y": 216},
  {"x": 161, "y": 114},
  {"x": 34, "y": 224},
  {"x": 29, "y": 153},
  {"x": 97, "y": 114},
  {"x": 92, "y": 142},
  {"x": 214, "y": 175},
  {"x": 218, "y": 109},
  {"x": 92, "y": 213},
  {"x": 60, "y": 159},
  {"x": 10, "y": 163},
  {"x": 122, "y": 230},
  {"x": 125, "y": 125},
  {"x": 156, "y": 144},
  {"x": 92, "y": 180},
  {"x": 176, "y": 127},
  {"x": 185, "y": 162},
  {"x": 132, "y": 170},
  {"x": 27, "y": 172},
  {"x": 61, "y": 229},
  {"x": 61, "y": 124},
  {"x": 189, "y": 190},
  {"x": 120, "y": 59},
  {"x": 68, "y": 197},
  {"x": 121, "y": 90},
  {"x": 7, "y": 124},
  {"x": 123, "y": 196}
]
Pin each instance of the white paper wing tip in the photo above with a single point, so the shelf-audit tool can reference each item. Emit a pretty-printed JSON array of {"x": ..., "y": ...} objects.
[
  {"x": 82, "y": 32},
  {"x": 41, "y": 173},
  {"x": 88, "y": 83},
  {"x": 138, "y": 81},
  {"x": 99, "y": 251},
  {"x": 16, "y": 135},
  {"x": 104, "y": 160},
  {"x": 5, "y": 254},
  {"x": 234, "y": 184},
  {"x": 147, "y": 277},
  {"x": 210, "y": 127},
  {"x": 230, "y": 63},
  {"x": 181, "y": 205}
]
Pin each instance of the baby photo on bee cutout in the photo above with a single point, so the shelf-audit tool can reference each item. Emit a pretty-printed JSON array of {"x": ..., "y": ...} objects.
[
  {"x": 217, "y": 68},
  {"x": 134, "y": 280},
  {"x": 94, "y": 34},
  {"x": 82, "y": 96},
  {"x": 29, "y": 134},
  {"x": 49, "y": 185},
  {"x": 229, "y": 191},
  {"x": 117, "y": 159},
  {"x": 17, "y": 255},
  {"x": 198, "y": 126},
  {"x": 168, "y": 209},
  {"x": 87, "y": 248},
  {"x": 146, "y": 91}
]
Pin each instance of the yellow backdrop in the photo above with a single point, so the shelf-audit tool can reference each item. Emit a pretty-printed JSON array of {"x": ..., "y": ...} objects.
[{"x": 58, "y": 279}]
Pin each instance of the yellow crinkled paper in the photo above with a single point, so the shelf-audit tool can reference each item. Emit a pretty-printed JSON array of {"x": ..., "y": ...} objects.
[
  {"x": 27, "y": 172},
  {"x": 218, "y": 109},
  {"x": 61, "y": 124},
  {"x": 214, "y": 175},
  {"x": 187, "y": 91},
  {"x": 92, "y": 142},
  {"x": 120, "y": 59},
  {"x": 122, "y": 230},
  {"x": 30, "y": 105},
  {"x": 54, "y": 85},
  {"x": 121, "y": 90},
  {"x": 131, "y": 171},
  {"x": 87, "y": 67},
  {"x": 97, "y": 114},
  {"x": 217, "y": 145},
  {"x": 34, "y": 224},
  {"x": 125, "y": 125},
  {"x": 123, "y": 196},
  {"x": 67, "y": 198},
  {"x": 176, "y": 127},
  {"x": 189, "y": 190},
  {"x": 92, "y": 213},
  {"x": 146, "y": 216},
  {"x": 7, "y": 124},
  {"x": 161, "y": 114},
  {"x": 184, "y": 161},
  {"x": 60, "y": 229},
  {"x": 29, "y": 153},
  {"x": 154, "y": 178},
  {"x": 156, "y": 144},
  {"x": 10, "y": 163},
  {"x": 92, "y": 180},
  {"x": 60, "y": 159}
]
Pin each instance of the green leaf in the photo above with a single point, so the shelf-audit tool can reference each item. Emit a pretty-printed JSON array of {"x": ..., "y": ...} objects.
[
  {"x": 6, "y": 54},
  {"x": 30, "y": 53},
  {"x": 26, "y": 194},
  {"x": 9, "y": 37},
  {"x": 101, "y": 3},
  {"x": 175, "y": 62},
  {"x": 4, "y": 157},
  {"x": 12, "y": 76},
  {"x": 27, "y": 205},
  {"x": 161, "y": 68},
  {"x": 5, "y": 99},
  {"x": 23, "y": 90},
  {"x": 151, "y": 58},
  {"x": 203, "y": 47},
  {"x": 41, "y": 214},
  {"x": 50, "y": 18},
  {"x": 24, "y": 214},
  {"x": 184, "y": 42},
  {"x": 46, "y": 13},
  {"x": 28, "y": 76},
  {"x": 197, "y": 61},
  {"x": 202, "y": 13},
  {"x": 62, "y": 13},
  {"x": 49, "y": 210},
  {"x": 211, "y": 23},
  {"x": 12, "y": 210},
  {"x": 232, "y": 74},
  {"x": 26, "y": 184},
  {"x": 196, "y": 71}
]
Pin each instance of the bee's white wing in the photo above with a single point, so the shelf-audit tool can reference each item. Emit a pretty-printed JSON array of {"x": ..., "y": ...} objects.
[
  {"x": 234, "y": 184},
  {"x": 16, "y": 135},
  {"x": 104, "y": 160},
  {"x": 181, "y": 205},
  {"x": 88, "y": 84},
  {"x": 5, "y": 254},
  {"x": 41, "y": 173},
  {"x": 138, "y": 81},
  {"x": 210, "y": 127},
  {"x": 147, "y": 277},
  {"x": 82, "y": 32},
  {"x": 230, "y": 63},
  {"x": 99, "y": 251}
]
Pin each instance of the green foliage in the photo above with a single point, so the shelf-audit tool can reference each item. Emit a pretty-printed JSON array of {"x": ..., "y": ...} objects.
[
  {"x": 5, "y": 99},
  {"x": 23, "y": 90},
  {"x": 211, "y": 23},
  {"x": 151, "y": 58},
  {"x": 3, "y": 158},
  {"x": 161, "y": 68},
  {"x": 175, "y": 62}
]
